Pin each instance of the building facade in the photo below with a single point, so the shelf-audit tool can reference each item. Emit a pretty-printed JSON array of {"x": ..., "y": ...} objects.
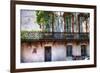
[{"x": 64, "y": 36}]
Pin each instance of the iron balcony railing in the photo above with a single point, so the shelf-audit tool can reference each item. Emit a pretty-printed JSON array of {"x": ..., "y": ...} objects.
[{"x": 53, "y": 35}]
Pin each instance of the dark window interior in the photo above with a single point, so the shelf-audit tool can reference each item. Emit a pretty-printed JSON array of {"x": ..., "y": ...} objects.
[
  {"x": 83, "y": 50},
  {"x": 69, "y": 50}
]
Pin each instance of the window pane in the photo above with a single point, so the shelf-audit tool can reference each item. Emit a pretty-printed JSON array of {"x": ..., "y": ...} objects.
[
  {"x": 69, "y": 50},
  {"x": 83, "y": 50}
]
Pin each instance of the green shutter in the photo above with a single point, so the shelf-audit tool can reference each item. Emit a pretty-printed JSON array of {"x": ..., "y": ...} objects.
[{"x": 68, "y": 23}]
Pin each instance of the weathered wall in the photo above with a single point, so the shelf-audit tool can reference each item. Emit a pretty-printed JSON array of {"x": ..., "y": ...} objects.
[
  {"x": 58, "y": 52},
  {"x": 29, "y": 56}
]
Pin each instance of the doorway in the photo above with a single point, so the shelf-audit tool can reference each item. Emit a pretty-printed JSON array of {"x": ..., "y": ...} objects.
[{"x": 47, "y": 53}]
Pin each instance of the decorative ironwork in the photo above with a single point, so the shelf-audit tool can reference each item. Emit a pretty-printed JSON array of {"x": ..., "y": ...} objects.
[{"x": 54, "y": 35}]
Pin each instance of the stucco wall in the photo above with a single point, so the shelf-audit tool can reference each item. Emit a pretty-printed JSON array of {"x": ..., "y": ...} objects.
[
  {"x": 58, "y": 52},
  {"x": 28, "y": 20},
  {"x": 29, "y": 56}
]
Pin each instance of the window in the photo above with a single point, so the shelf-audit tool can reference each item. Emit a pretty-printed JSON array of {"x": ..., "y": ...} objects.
[
  {"x": 68, "y": 23},
  {"x": 81, "y": 24},
  {"x": 83, "y": 50},
  {"x": 84, "y": 22},
  {"x": 58, "y": 22},
  {"x": 69, "y": 50}
]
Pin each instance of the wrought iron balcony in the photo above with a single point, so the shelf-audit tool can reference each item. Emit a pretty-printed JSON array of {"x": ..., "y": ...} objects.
[{"x": 53, "y": 36}]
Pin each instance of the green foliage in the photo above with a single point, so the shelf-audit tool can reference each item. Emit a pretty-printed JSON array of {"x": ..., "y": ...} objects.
[
  {"x": 30, "y": 35},
  {"x": 44, "y": 17},
  {"x": 24, "y": 34}
]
